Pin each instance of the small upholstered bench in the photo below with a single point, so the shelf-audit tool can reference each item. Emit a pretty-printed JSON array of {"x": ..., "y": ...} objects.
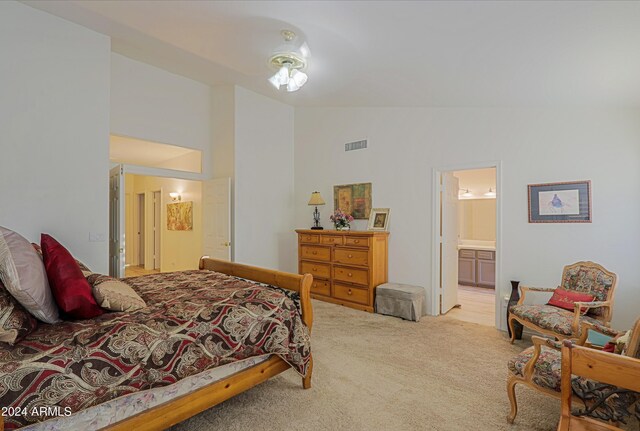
[{"x": 401, "y": 300}]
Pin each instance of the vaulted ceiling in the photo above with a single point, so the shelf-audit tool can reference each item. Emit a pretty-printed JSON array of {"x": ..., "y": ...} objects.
[{"x": 390, "y": 53}]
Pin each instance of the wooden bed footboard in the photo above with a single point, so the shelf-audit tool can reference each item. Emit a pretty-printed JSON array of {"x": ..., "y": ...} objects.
[{"x": 181, "y": 408}]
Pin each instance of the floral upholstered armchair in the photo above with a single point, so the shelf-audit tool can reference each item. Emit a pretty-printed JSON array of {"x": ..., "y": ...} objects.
[
  {"x": 540, "y": 367},
  {"x": 582, "y": 279}
]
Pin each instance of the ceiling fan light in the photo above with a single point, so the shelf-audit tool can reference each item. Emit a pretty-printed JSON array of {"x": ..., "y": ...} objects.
[
  {"x": 299, "y": 77},
  {"x": 490, "y": 193},
  {"x": 292, "y": 86},
  {"x": 289, "y": 60},
  {"x": 283, "y": 75},
  {"x": 465, "y": 193},
  {"x": 275, "y": 81}
]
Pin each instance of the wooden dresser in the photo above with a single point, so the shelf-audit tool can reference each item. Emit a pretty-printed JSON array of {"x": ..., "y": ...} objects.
[{"x": 346, "y": 265}]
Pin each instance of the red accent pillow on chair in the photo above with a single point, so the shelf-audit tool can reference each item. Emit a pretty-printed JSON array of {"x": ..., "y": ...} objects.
[
  {"x": 70, "y": 288},
  {"x": 566, "y": 298}
]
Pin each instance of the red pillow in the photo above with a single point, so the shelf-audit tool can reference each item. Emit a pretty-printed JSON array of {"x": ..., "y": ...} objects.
[
  {"x": 566, "y": 298},
  {"x": 70, "y": 288}
]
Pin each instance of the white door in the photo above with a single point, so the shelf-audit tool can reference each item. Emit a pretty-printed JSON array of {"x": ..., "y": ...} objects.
[
  {"x": 156, "y": 229},
  {"x": 129, "y": 229},
  {"x": 449, "y": 242},
  {"x": 116, "y": 222},
  {"x": 216, "y": 212}
]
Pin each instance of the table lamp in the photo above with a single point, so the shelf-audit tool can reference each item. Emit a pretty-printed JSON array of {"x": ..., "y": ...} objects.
[{"x": 316, "y": 200}]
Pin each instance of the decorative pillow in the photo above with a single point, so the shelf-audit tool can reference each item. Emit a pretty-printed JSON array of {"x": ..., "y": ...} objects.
[
  {"x": 24, "y": 276},
  {"x": 114, "y": 294},
  {"x": 566, "y": 298},
  {"x": 15, "y": 322},
  {"x": 82, "y": 266},
  {"x": 69, "y": 286}
]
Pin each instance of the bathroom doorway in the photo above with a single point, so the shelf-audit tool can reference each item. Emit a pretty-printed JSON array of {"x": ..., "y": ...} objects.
[{"x": 467, "y": 255}]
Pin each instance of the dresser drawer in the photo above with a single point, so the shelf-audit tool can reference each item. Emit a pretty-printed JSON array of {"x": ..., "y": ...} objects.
[
  {"x": 356, "y": 242},
  {"x": 350, "y": 256},
  {"x": 486, "y": 255},
  {"x": 331, "y": 240},
  {"x": 310, "y": 238},
  {"x": 467, "y": 253},
  {"x": 315, "y": 253},
  {"x": 321, "y": 270},
  {"x": 321, "y": 287},
  {"x": 351, "y": 275},
  {"x": 353, "y": 294}
]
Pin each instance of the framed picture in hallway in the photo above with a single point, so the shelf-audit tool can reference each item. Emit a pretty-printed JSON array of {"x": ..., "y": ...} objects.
[
  {"x": 180, "y": 216},
  {"x": 566, "y": 202}
]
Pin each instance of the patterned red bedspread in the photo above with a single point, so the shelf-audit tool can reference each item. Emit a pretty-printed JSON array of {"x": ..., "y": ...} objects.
[{"x": 194, "y": 321}]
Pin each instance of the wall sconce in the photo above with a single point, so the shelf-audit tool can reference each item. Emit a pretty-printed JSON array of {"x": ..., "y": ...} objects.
[{"x": 175, "y": 196}]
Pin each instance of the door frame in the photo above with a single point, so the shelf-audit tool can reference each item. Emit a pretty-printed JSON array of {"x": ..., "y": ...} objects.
[
  {"x": 435, "y": 235},
  {"x": 150, "y": 172}
]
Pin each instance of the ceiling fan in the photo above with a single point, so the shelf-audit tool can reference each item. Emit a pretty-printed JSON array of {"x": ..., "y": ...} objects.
[{"x": 290, "y": 62}]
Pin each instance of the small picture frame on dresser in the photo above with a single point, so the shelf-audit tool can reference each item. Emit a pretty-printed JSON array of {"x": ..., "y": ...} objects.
[{"x": 379, "y": 219}]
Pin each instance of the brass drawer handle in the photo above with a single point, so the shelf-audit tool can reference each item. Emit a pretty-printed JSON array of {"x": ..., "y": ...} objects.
[
  {"x": 314, "y": 269},
  {"x": 356, "y": 241},
  {"x": 315, "y": 285},
  {"x": 349, "y": 292},
  {"x": 349, "y": 256},
  {"x": 350, "y": 275},
  {"x": 314, "y": 252}
]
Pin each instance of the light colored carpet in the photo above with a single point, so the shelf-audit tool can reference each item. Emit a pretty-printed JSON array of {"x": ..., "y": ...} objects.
[{"x": 374, "y": 372}]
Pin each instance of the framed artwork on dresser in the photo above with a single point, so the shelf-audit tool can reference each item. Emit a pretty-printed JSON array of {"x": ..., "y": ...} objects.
[
  {"x": 379, "y": 219},
  {"x": 354, "y": 199}
]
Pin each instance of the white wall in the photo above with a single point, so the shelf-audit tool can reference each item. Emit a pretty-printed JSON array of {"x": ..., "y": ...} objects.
[
  {"x": 406, "y": 144},
  {"x": 153, "y": 104},
  {"x": 263, "y": 182},
  {"x": 54, "y": 123}
]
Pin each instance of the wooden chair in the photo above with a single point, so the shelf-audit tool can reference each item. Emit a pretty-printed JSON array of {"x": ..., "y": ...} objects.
[
  {"x": 539, "y": 366},
  {"x": 617, "y": 370},
  {"x": 583, "y": 277}
]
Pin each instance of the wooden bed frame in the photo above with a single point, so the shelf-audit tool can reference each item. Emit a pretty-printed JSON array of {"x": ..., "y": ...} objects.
[
  {"x": 181, "y": 408},
  {"x": 188, "y": 405}
]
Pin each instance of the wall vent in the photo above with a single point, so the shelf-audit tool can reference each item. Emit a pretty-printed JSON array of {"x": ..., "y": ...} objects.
[{"x": 357, "y": 145}]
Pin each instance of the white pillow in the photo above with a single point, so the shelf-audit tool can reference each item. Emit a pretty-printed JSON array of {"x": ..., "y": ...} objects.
[{"x": 24, "y": 276}]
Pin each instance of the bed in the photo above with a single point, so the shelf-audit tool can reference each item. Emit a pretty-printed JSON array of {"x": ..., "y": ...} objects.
[{"x": 205, "y": 336}]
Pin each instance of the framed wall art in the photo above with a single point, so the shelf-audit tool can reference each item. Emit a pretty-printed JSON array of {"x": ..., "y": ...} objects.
[
  {"x": 354, "y": 199},
  {"x": 379, "y": 219},
  {"x": 180, "y": 216},
  {"x": 567, "y": 202}
]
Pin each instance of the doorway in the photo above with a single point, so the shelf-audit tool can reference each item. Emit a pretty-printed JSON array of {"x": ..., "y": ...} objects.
[
  {"x": 179, "y": 221},
  {"x": 466, "y": 239}
]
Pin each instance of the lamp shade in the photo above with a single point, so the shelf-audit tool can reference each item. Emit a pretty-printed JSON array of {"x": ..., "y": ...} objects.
[{"x": 316, "y": 199}]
